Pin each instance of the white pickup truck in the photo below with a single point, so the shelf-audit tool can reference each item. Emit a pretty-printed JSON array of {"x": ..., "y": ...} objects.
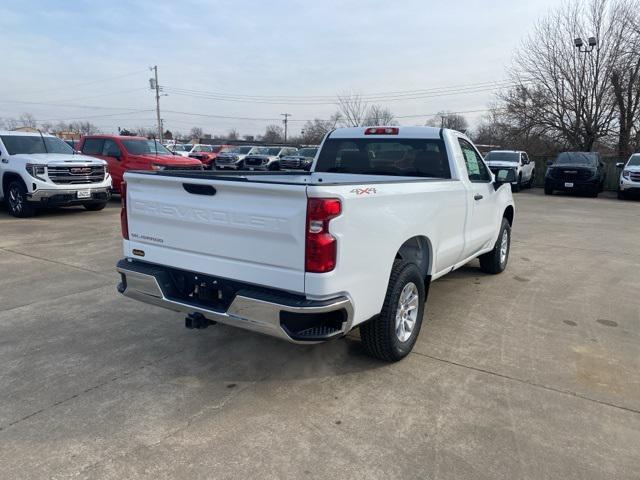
[
  {"x": 309, "y": 256},
  {"x": 38, "y": 170}
]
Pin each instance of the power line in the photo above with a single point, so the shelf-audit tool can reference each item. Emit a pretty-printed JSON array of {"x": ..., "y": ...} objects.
[
  {"x": 93, "y": 82},
  {"x": 331, "y": 100},
  {"x": 95, "y": 116}
]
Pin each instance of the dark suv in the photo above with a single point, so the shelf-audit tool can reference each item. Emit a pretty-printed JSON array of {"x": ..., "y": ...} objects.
[{"x": 581, "y": 172}]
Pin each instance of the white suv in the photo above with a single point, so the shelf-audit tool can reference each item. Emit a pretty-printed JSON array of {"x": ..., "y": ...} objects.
[
  {"x": 630, "y": 177},
  {"x": 38, "y": 170}
]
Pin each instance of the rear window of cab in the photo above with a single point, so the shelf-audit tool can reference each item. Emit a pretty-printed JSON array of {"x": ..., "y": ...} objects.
[{"x": 385, "y": 156}]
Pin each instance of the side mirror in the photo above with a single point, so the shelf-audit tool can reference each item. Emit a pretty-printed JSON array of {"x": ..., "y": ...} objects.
[
  {"x": 504, "y": 175},
  {"x": 620, "y": 165}
]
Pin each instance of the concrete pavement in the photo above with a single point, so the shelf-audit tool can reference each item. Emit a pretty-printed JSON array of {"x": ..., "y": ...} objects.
[{"x": 534, "y": 373}]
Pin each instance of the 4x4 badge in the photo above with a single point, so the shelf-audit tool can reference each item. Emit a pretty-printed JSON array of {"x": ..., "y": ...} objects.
[{"x": 364, "y": 191}]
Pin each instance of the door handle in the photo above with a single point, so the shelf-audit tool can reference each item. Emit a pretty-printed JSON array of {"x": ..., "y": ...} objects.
[{"x": 477, "y": 196}]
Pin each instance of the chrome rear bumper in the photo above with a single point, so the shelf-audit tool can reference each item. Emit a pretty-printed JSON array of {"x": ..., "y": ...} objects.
[{"x": 245, "y": 311}]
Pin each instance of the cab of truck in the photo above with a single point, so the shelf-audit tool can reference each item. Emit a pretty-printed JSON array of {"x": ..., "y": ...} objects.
[{"x": 124, "y": 153}]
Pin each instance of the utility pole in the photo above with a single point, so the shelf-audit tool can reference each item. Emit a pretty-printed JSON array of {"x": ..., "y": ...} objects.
[
  {"x": 153, "y": 82},
  {"x": 285, "y": 121}
]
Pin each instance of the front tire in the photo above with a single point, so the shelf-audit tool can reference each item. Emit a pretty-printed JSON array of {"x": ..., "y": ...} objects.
[
  {"x": 95, "y": 207},
  {"x": 496, "y": 260},
  {"x": 392, "y": 334},
  {"x": 548, "y": 190},
  {"x": 516, "y": 188},
  {"x": 17, "y": 200},
  {"x": 532, "y": 179},
  {"x": 622, "y": 195}
]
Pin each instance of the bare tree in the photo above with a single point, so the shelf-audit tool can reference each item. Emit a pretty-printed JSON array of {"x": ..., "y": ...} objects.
[
  {"x": 28, "y": 120},
  {"x": 352, "y": 109},
  {"x": 625, "y": 77},
  {"x": 11, "y": 123},
  {"x": 273, "y": 134},
  {"x": 233, "y": 134},
  {"x": 314, "y": 131},
  {"x": 451, "y": 120},
  {"x": 559, "y": 90},
  {"x": 196, "y": 132},
  {"x": 379, "y": 115}
]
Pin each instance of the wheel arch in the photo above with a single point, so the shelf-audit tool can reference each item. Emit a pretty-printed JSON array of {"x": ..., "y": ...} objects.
[
  {"x": 508, "y": 214},
  {"x": 7, "y": 177},
  {"x": 418, "y": 250}
]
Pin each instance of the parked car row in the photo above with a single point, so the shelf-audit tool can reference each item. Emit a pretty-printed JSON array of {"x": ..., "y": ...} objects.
[
  {"x": 247, "y": 157},
  {"x": 580, "y": 172}
]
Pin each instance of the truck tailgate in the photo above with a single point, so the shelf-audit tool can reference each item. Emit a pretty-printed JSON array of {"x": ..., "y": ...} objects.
[{"x": 250, "y": 232}]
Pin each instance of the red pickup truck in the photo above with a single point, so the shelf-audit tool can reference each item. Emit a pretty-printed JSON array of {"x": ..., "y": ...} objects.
[
  {"x": 123, "y": 153},
  {"x": 207, "y": 153}
]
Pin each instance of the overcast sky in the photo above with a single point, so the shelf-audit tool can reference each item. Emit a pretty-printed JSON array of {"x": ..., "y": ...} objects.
[{"x": 88, "y": 60}]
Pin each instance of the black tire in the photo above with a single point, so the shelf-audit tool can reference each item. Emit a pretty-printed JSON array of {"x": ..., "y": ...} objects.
[
  {"x": 95, "y": 207},
  {"x": 274, "y": 166},
  {"x": 16, "y": 198},
  {"x": 622, "y": 195},
  {"x": 516, "y": 188},
  {"x": 548, "y": 190},
  {"x": 379, "y": 336},
  {"x": 493, "y": 262},
  {"x": 594, "y": 192}
]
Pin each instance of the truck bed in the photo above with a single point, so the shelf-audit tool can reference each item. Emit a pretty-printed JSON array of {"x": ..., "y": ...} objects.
[{"x": 290, "y": 178}]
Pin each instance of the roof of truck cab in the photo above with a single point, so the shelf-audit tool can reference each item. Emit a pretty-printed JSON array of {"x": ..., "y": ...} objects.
[
  {"x": 18, "y": 133},
  {"x": 403, "y": 132}
]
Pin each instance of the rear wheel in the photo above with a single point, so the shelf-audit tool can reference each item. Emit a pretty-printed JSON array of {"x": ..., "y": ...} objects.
[
  {"x": 548, "y": 190},
  {"x": 391, "y": 335},
  {"x": 595, "y": 190},
  {"x": 496, "y": 260},
  {"x": 17, "y": 200}
]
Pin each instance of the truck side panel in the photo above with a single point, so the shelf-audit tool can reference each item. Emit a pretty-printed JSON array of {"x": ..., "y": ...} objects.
[{"x": 374, "y": 225}]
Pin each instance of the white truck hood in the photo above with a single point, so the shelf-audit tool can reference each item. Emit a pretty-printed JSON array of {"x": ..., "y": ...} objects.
[
  {"x": 632, "y": 168},
  {"x": 51, "y": 158}
]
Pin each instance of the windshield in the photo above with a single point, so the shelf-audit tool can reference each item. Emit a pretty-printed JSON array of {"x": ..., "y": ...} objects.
[
  {"x": 218, "y": 149},
  {"x": 241, "y": 150},
  {"x": 260, "y": 151},
  {"x": 141, "y": 147},
  {"x": 502, "y": 157},
  {"x": 307, "y": 152},
  {"x": 576, "y": 158},
  {"x": 202, "y": 148},
  {"x": 16, "y": 144},
  {"x": 406, "y": 157},
  {"x": 180, "y": 148},
  {"x": 634, "y": 161}
]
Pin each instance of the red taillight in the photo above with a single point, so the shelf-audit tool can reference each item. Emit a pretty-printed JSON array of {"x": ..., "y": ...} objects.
[
  {"x": 124, "y": 221},
  {"x": 382, "y": 131},
  {"x": 320, "y": 245}
]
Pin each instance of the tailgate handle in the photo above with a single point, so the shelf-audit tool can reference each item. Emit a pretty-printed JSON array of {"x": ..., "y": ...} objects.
[{"x": 197, "y": 189}]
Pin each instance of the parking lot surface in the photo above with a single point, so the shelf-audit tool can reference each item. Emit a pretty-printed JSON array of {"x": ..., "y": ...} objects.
[{"x": 534, "y": 373}]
